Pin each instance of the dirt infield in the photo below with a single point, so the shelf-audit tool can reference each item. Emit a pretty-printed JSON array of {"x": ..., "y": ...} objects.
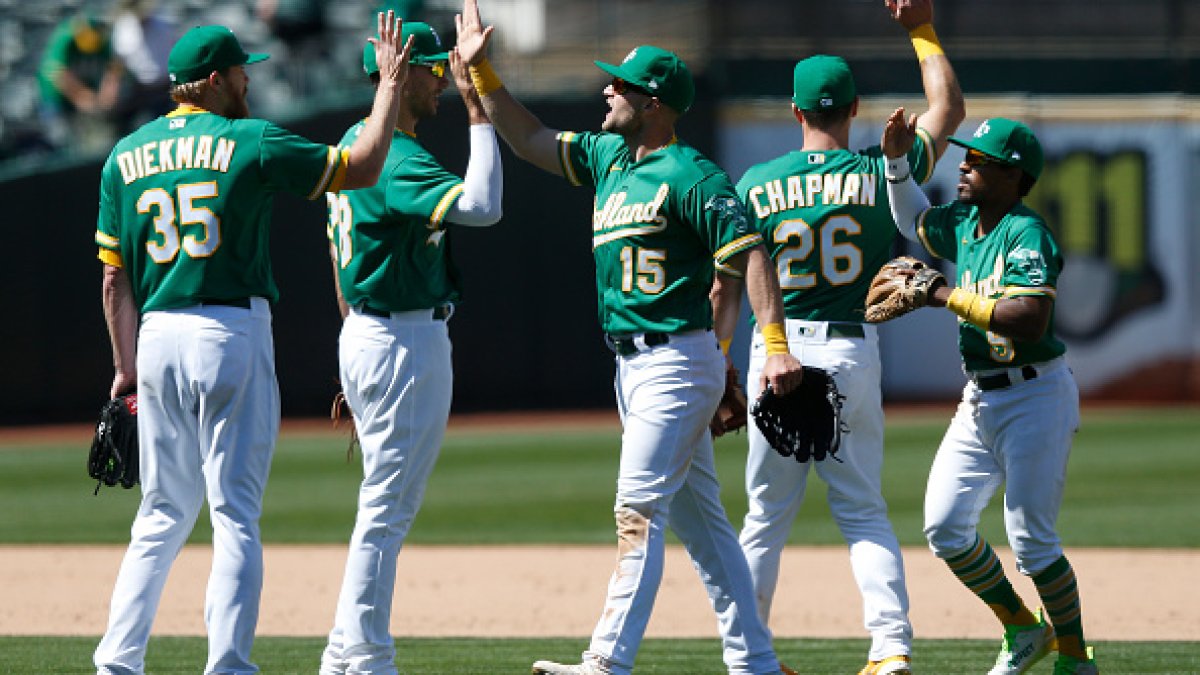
[{"x": 537, "y": 591}]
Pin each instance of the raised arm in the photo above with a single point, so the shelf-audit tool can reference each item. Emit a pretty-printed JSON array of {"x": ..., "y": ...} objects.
[
  {"x": 946, "y": 107},
  {"x": 531, "y": 140},
  {"x": 369, "y": 151},
  {"x": 483, "y": 184},
  {"x": 905, "y": 198}
]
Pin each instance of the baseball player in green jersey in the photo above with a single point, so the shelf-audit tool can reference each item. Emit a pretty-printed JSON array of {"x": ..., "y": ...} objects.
[
  {"x": 185, "y": 203},
  {"x": 824, "y": 215},
  {"x": 666, "y": 219},
  {"x": 391, "y": 254},
  {"x": 1020, "y": 406}
]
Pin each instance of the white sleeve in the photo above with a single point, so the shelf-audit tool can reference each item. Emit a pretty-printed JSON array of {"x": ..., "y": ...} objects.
[
  {"x": 907, "y": 200},
  {"x": 483, "y": 186}
]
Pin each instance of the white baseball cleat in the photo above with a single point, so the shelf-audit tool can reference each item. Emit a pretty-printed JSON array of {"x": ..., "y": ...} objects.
[
  {"x": 1023, "y": 646},
  {"x": 552, "y": 668}
]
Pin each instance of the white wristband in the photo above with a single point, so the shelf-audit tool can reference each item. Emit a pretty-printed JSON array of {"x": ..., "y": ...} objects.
[{"x": 897, "y": 169}]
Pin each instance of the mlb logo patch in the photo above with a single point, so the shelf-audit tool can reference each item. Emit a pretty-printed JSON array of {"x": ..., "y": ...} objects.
[
  {"x": 177, "y": 123},
  {"x": 816, "y": 158}
]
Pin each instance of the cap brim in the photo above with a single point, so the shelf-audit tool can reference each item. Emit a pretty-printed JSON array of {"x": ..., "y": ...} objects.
[
  {"x": 431, "y": 58},
  {"x": 616, "y": 71},
  {"x": 255, "y": 57},
  {"x": 972, "y": 146}
]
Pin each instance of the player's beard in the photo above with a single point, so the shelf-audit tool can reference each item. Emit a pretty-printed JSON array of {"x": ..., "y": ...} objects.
[{"x": 236, "y": 106}]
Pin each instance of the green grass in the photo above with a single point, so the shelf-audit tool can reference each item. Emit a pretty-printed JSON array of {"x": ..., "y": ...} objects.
[
  {"x": 454, "y": 656},
  {"x": 1131, "y": 482}
]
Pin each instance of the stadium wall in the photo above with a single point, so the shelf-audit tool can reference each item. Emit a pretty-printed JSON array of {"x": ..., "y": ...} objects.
[{"x": 1118, "y": 188}]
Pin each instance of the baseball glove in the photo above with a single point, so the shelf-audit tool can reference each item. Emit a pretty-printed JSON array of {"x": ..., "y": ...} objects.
[
  {"x": 342, "y": 407},
  {"x": 805, "y": 423},
  {"x": 731, "y": 412},
  {"x": 113, "y": 457},
  {"x": 900, "y": 286}
]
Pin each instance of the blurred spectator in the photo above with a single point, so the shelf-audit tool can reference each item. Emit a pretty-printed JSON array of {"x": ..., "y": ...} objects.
[
  {"x": 142, "y": 37},
  {"x": 300, "y": 26},
  {"x": 293, "y": 21},
  {"x": 405, "y": 9},
  {"x": 80, "y": 81}
]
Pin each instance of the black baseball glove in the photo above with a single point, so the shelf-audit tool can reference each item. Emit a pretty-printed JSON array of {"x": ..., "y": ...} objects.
[
  {"x": 114, "y": 455},
  {"x": 805, "y": 423}
]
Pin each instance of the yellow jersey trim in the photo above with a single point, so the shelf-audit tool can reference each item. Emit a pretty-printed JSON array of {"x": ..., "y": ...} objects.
[
  {"x": 443, "y": 205},
  {"x": 565, "y": 139},
  {"x": 737, "y": 246},
  {"x": 923, "y": 236},
  {"x": 728, "y": 270},
  {"x": 930, "y": 154},
  {"x": 107, "y": 241},
  {"x": 186, "y": 109},
  {"x": 333, "y": 159},
  {"x": 1015, "y": 291},
  {"x": 110, "y": 258}
]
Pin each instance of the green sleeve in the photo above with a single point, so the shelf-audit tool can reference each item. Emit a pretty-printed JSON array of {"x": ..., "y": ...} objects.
[
  {"x": 107, "y": 234},
  {"x": 292, "y": 163},
  {"x": 719, "y": 217},
  {"x": 585, "y": 156},
  {"x": 937, "y": 229},
  {"x": 421, "y": 188},
  {"x": 920, "y": 158},
  {"x": 1033, "y": 263}
]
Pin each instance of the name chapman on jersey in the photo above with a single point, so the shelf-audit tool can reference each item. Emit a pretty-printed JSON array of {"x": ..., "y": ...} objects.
[
  {"x": 796, "y": 192},
  {"x": 176, "y": 154}
]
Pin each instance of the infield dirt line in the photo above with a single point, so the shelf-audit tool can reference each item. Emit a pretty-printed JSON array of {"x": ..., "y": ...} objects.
[{"x": 542, "y": 591}]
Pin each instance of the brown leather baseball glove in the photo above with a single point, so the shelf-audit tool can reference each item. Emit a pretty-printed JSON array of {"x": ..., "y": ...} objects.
[
  {"x": 731, "y": 412},
  {"x": 900, "y": 286}
]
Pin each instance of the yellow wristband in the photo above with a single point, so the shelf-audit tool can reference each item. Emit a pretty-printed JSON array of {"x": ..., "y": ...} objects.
[
  {"x": 725, "y": 345},
  {"x": 975, "y": 308},
  {"x": 925, "y": 41},
  {"x": 484, "y": 78},
  {"x": 775, "y": 339}
]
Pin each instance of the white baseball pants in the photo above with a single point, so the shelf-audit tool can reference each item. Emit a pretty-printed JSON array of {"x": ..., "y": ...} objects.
[
  {"x": 666, "y": 397},
  {"x": 397, "y": 377},
  {"x": 776, "y": 485},
  {"x": 208, "y": 418},
  {"x": 1019, "y": 437}
]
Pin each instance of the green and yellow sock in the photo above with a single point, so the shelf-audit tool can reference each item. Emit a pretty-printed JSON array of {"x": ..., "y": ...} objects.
[
  {"x": 1060, "y": 596},
  {"x": 980, "y": 570}
]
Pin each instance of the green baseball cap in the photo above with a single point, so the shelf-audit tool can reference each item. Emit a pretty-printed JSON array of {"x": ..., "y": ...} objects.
[
  {"x": 427, "y": 47},
  {"x": 659, "y": 72},
  {"x": 1008, "y": 141},
  {"x": 205, "y": 49},
  {"x": 822, "y": 82}
]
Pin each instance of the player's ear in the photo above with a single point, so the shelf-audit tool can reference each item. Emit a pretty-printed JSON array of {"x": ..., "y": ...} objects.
[{"x": 798, "y": 114}]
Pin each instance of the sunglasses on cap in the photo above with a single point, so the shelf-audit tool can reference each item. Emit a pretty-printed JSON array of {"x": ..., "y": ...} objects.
[
  {"x": 621, "y": 87},
  {"x": 976, "y": 159},
  {"x": 438, "y": 68}
]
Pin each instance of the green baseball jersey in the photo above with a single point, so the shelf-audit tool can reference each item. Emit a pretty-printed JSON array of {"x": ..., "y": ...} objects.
[
  {"x": 660, "y": 226},
  {"x": 1018, "y": 257},
  {"x": 825, "y": 218},
  {"x": 185, "y": 204},
  {"x": 390, "y": 240}
]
